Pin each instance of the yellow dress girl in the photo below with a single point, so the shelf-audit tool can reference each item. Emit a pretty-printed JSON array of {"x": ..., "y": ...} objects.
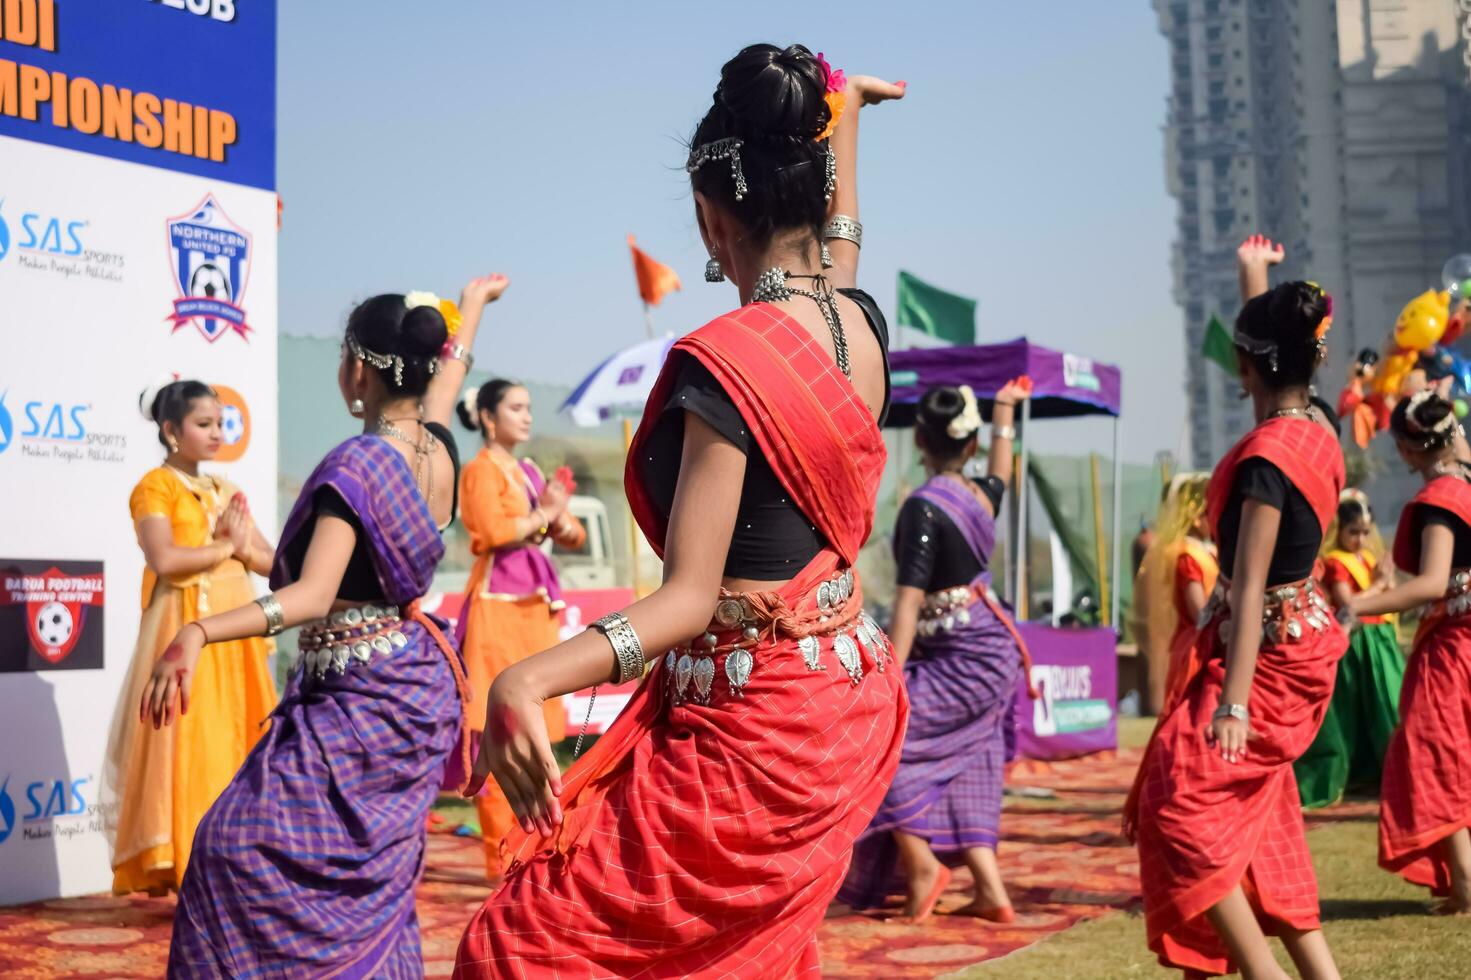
[{"x": 198, "y": 540}]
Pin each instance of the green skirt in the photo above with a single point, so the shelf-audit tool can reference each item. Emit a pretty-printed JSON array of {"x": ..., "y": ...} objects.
[{"x": 1349, "y": 749}]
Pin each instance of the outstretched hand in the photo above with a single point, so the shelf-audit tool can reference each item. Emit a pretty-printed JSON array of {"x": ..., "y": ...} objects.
[
  {"x": 1259, "y": 250},
  {"x": 481, "y": 292},
  {"x": 173, "y": 678},
  {"x": 516, "y": 750},
  {"x": 868, "y": 90}
]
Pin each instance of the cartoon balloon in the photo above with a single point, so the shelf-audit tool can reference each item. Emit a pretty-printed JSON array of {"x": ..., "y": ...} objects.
[
  {"x": 1422, "y": 322},
  {"x": 1454, "y": 275},
  {"x": 1393, "y": 371}
]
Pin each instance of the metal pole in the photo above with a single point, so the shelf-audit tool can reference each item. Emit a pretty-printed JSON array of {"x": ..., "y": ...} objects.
[
  {"x": 628, "y": 512},
  {"x": 1118, "y": 513},
  {"x": 1021, "y": 514},
  {"x": 1100, "y": 546},
  {"x": 648, "y": 321}
]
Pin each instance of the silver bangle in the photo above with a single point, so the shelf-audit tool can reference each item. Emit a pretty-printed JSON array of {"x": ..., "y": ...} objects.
[
  {"x": 1237, "y": 711},
  {"x": 461, "y": 353},
  {"x": 275, "y": 615},
  {"x": 1003, "y": 432},
  {"x": 846, "y": 228},
  {"x": 626, "y": 646}
]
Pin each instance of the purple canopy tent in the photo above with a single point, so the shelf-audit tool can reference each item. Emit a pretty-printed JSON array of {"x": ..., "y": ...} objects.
[{"x": 1063, "y": 386}]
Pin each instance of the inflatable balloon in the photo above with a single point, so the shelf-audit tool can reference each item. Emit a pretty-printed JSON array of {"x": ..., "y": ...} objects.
[
  {"x": 1422, "y": 322},
  {"x": 1454, "y": 276},
  {"x": 1461, "y": 407},
  {"x": 1394, "y": 370}
]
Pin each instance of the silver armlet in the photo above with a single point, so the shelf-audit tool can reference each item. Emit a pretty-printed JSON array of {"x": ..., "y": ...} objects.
[
  {"x": 626, "y": 646},
  {"x": 461, "y": 353},
  {"x": 1003, "y": 432},
  {"x": 846, "y": 228},
  {"x": 275, "y": 615}
]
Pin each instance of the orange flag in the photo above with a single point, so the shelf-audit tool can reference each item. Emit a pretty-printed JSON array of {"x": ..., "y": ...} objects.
[{"x": 655, "y": 279}]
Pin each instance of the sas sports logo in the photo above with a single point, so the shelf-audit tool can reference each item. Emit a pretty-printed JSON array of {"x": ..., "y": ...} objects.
[
  {"x": 210, "y": 256},
  {"x": 7, "y": 811},
  {"x": 234, "y": 424}
]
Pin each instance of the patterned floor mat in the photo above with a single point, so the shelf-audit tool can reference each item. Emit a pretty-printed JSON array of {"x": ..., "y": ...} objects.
[{"x": 1061, "y": 854}]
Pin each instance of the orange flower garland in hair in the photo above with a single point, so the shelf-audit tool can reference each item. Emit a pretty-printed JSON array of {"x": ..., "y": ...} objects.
[
  {"x": 1327, "y": 322},
  {"x": 450, "y": 310},
  {"x": 836, "y": 97}
]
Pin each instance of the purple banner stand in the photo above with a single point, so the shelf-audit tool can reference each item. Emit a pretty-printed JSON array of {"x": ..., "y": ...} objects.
[{"x": 1076, "y": 675}]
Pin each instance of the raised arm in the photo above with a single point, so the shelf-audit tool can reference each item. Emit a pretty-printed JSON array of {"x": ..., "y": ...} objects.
[
  {"x": 1253, "y": 258},
  {"x": 862, "y": 90},
  {"x": 515, "y": 748},
  {"x": 1003, "y": 429},
  {"x": 444, "y": 389}
]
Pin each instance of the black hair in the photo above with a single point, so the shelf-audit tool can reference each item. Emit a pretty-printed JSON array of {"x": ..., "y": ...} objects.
[
  {"x": 383, "y": 325},
  {"x": 1420, "y": 422},
  {"x": 487, "y": 399},
  {"x": 1287, "y": 316},
  {"x": 1367, "y": 357},
  {"x": 773, "y": 100},
  {"x": 938, "y": 407},
  {"x": 174, "y": 402},
  {"x": 1354, "y": 508}
]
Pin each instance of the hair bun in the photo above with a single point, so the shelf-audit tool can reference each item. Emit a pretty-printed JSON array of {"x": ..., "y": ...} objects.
[
  {"x": 774, "y": 92},
  {"x": 424, "y": 332},
  {"x": 1299, "y": 307}
]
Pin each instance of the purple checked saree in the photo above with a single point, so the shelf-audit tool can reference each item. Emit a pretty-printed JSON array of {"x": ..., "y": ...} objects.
[
  {"x": 306, "y": 865},
  {"x": 961, "y": 677}
]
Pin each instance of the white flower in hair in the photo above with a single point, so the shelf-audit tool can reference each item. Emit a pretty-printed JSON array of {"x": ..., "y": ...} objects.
[
  {"x": 470, "y": 401},
  {"x": 421, "y": 298},
  {"x": 150, "y": 395},
  {"x": 964, "y": 425}
]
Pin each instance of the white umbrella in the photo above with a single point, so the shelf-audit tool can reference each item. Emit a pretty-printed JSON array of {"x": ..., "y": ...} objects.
[{"x": 620, "y": 385}]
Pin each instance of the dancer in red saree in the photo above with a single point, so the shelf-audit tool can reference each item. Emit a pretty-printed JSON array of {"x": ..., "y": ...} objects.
[
  {"x": 1222, "y": 852},
  {"x": 1425, "y": 795},
  {"x": 705, "y": 834}
]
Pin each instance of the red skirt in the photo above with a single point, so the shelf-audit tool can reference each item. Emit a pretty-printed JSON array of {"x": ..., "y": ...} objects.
[
  {"x": 724, "y": 825},
  {"x": 1205, "y": 825},
  {"x": 1425, "y": 795}
]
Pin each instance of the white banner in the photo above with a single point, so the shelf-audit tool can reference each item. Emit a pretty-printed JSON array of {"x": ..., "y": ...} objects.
[{"x": 112, "y": 274}]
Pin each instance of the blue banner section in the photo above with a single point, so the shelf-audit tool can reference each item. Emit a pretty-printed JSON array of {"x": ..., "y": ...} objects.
[{"x": 186, "y": 85}]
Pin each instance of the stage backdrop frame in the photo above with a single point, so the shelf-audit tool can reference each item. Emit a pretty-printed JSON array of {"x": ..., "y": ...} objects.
[{"x": 138, "y": 220}]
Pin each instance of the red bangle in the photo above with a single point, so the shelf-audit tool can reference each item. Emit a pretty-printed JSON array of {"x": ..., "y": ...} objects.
[{"x": 202, "y": 631}]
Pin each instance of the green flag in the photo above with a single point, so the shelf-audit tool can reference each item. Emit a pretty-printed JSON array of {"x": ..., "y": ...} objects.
[
  {"x": 1217, "y": 346},
  {"x": 942, "y": 315}
]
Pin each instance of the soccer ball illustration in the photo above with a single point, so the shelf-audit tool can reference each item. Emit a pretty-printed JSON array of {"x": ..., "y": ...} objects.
[
  {"x": 54, "y": 624},
  {"x": 232, "y": 424},
  {"x": 210, "y": 281}
]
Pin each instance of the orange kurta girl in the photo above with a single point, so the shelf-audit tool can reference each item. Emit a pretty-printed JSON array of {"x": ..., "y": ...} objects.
[
  {"x": 199, "y": 542},
  {"x": 513, "y": 597}
]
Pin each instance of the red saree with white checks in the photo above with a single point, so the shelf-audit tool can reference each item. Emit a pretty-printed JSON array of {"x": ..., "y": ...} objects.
[
  {"x": 1425, "y": 795},
  {"x": 1205, "y": 825},
  {"x": 707, "y": 831}
]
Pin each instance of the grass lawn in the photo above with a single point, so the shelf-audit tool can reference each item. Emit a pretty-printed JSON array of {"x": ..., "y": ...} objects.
[{"x": 1377, "y": 924}]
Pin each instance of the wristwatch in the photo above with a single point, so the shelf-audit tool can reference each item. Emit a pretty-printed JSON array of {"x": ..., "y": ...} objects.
[{"x": 1237, "y": 711}]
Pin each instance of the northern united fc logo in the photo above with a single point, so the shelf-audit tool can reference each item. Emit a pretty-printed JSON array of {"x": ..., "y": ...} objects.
[{"x": 211, "y": 261}]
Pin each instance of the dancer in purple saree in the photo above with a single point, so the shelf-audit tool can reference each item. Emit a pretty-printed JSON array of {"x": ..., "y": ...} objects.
[
  {"x": 945, "y": 802},
  {"x": 306, "y": 864}
]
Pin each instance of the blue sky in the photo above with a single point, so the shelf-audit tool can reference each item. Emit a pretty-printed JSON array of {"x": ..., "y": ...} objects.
[{"x": 1025, "y": 169}]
